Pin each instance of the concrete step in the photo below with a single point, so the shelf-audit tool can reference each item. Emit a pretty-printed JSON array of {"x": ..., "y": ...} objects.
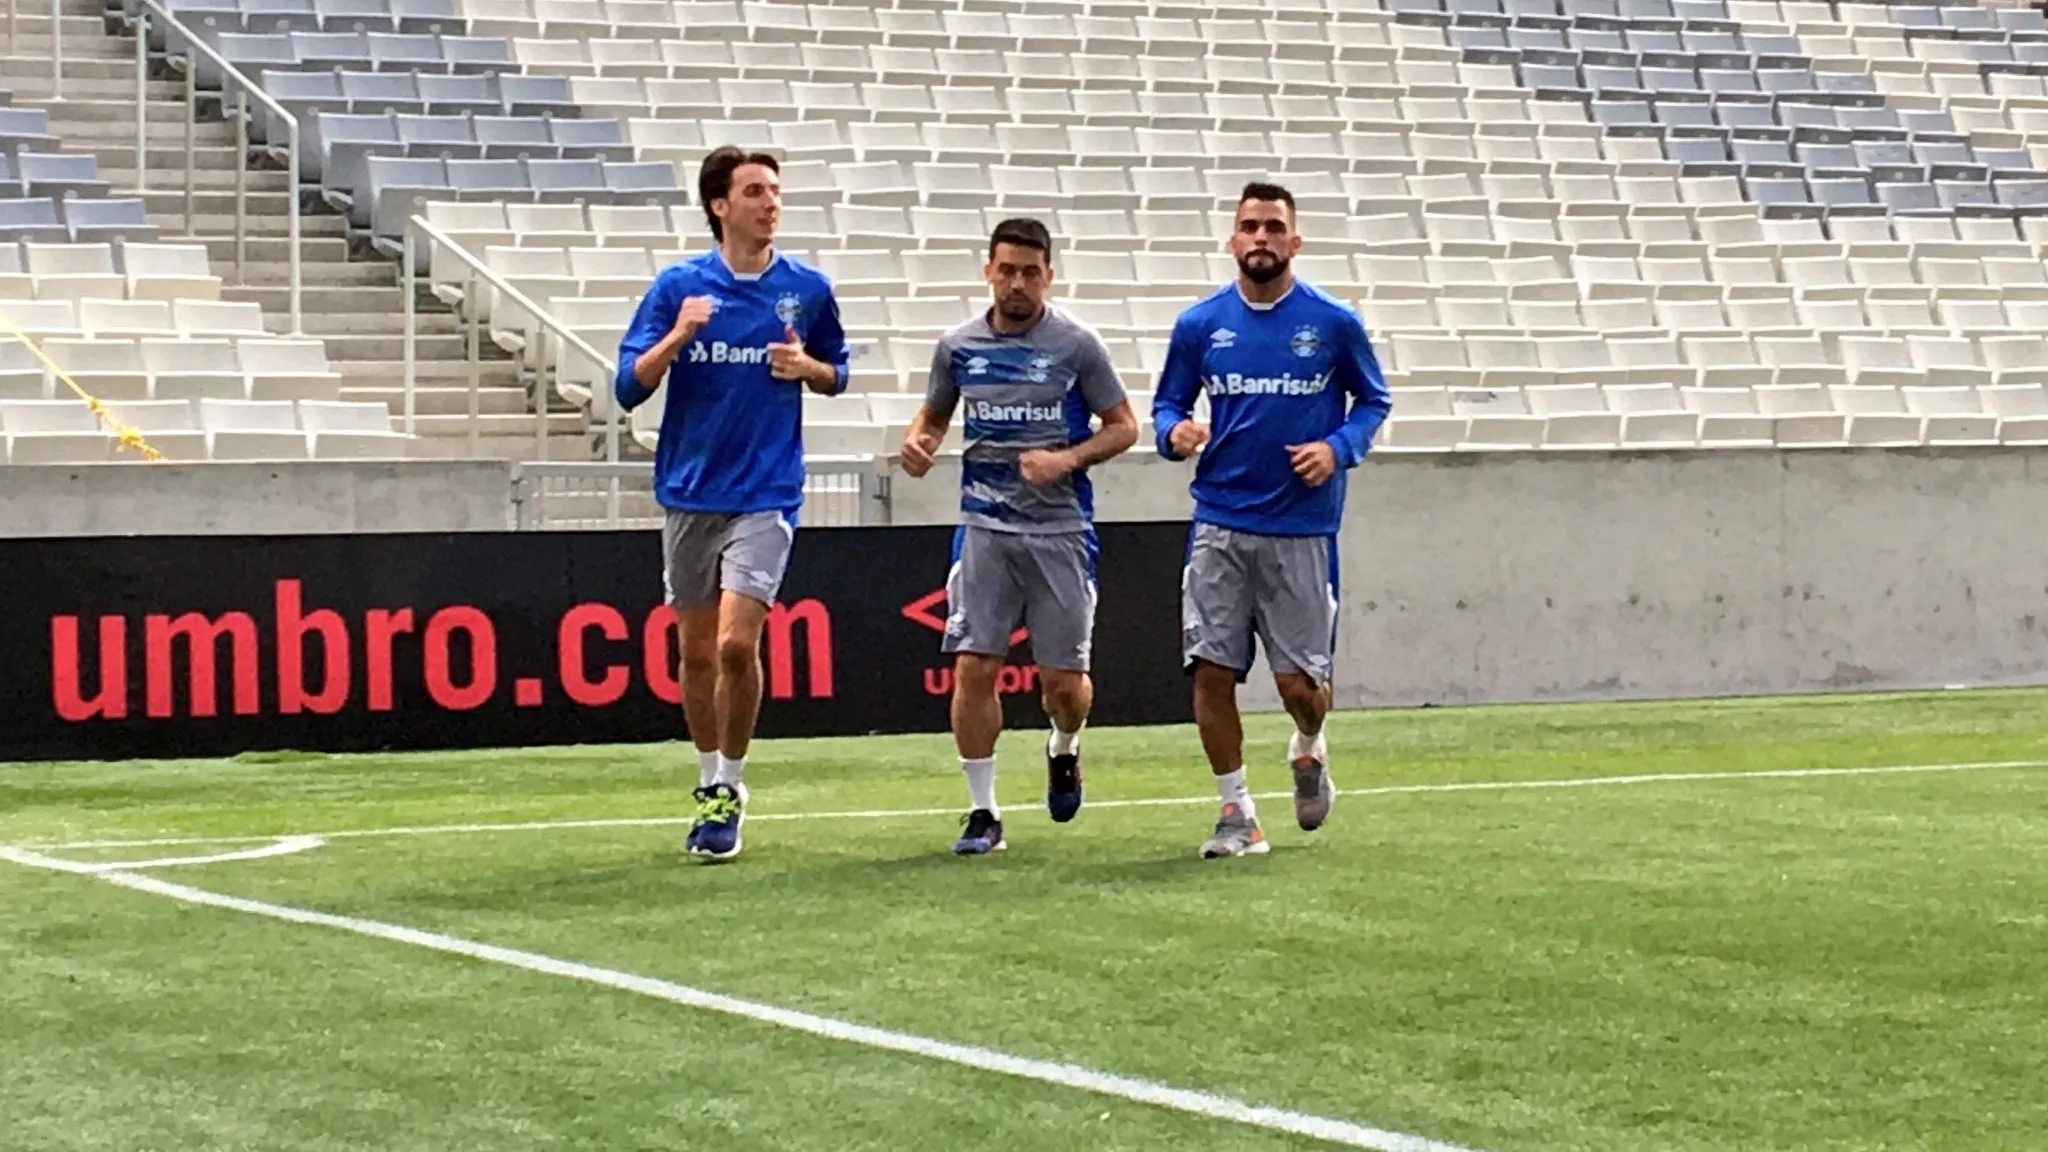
[
  {"x": 329, "y": 300},
  {"x": 171, "y": 178},
  {"x": 317, "y": 273},
  {"x": 349, "y": 324},
  {"x": 260, "y": 221},
  {"x": 115, "y": 120},
  {"x": 440, "y": 400},
  {"x": 32, "y": 18},
  {"x": 166, "y": 155},
  {"x": 491, "y": 374},
  {"x": 390, "y": 347},
  {"x": 506, "y": 447},
  {"x": 259, "y": 204},
  {"x": 565, "y": 431},
  {"x": 31, "y": 81},
  {"x": 91, "y": 44},
  {"x": 275, "y": 251}
]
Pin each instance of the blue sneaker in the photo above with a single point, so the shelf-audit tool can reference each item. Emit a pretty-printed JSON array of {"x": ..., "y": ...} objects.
[
  {"x": 1063, "y": 786},
  {"x": 984, "y": 834},
  {"x": 720, "y": 810}
]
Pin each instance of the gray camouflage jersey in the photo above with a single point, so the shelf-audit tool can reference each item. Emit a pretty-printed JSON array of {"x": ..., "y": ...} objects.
[{"x": 1036, "y": 389}]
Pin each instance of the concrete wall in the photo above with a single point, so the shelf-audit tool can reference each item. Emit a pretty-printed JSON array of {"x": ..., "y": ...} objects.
[
  {"x": 1576, "y": 575},
  {"x": 255, "y": 498},
  {"x": 1516, "y": 577},
  {"x": 1467, "y": 577}
]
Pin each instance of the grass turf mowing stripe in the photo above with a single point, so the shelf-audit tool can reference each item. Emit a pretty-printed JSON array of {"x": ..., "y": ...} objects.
[
  {"x": 1342, "y": 1132},
  {"x": 1140, "y": 802}
]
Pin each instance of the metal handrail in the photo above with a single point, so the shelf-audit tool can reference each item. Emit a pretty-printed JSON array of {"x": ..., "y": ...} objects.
[
  {"x": 417, "y": 224},
  {"x": 245, "y": 89},
  {"x": 56, "y": 42}
]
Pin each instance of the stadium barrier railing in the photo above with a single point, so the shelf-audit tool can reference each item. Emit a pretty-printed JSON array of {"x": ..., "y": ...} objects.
[
  {"x": 563, "y": 342},
  {"x": 839, "y": 492},
  {"x": 244, "y": 90}
]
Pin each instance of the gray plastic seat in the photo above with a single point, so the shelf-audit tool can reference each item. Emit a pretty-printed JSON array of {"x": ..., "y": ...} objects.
[
  {"x": 478, "y": 54},
  {"x": 1908, "y": 197},
  {"x": 391, "y": 191},
  {"x": 58, "y": 174},
  {"x": 599, "y": 138},
  {"x": 25, "y": 128},
  {"x": 318, "y": 50},
  {"x": 380, "y": 93},
  {"x": 355, "y": 16},
  {"x": 564, "y": 179},
  {"x": 103, "y": 221},
  {"x": 446, "y": 137},
  {"x": 346, "y": 141},
  {"x": 404, "y": 52},
  {"x": 536, "y": 95},
  {"x": 456, "y": 95},
  {"x": 33, "y": 219},
  {"x": 515, "y": 138}
]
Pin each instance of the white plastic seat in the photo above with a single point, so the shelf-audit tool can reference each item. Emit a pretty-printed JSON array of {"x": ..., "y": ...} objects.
[
  {"x": 1877, "y": 416},
  {"x": 109, "y": 369},
  {"x": 169, "y": 272},
  {"x": 2022, "y": 411},
  {"x": 1951, "y": 415},
  {"x": 188, "y": 370},
  {"x": 350, "y": 430},
  {"x": 169, "y": 426},
  {"x": 252, "y": 430},
  {"x": 53, "y": 432},
  {"x": 285, "y": 370}
]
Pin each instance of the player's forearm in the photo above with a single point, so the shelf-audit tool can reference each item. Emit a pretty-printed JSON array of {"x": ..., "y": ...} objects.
[
  {"x": 1109, "y": 441},
  {"x": 822, "y": 377},
  {"x": 1353, "y": 438},
  {"x": 652, "y": 365}
]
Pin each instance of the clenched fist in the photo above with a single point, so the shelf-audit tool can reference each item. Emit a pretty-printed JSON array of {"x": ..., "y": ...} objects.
[
  {"x": 1186, "y": 437},
  {"x": 694, "y": 314}
]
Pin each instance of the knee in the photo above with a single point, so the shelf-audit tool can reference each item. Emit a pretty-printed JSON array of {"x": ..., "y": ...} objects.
[
  {"x": 700, "y": 665},
  {"x": 975, "y": 675},
  {"x": 1299, "y": 693},
  {"x": 1060, "y": 692},
  {"x": 737, "y": 656}
]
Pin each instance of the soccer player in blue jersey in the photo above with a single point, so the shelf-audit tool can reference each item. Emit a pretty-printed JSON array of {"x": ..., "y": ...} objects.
[
  {"x": 738, "y": 333},
  {"x": 1295, "y": 398},
  {"x": 1031, "y": 380}
]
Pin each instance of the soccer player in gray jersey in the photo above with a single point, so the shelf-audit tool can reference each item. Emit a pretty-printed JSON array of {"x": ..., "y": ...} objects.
[{"x": 1029, "y": 378}]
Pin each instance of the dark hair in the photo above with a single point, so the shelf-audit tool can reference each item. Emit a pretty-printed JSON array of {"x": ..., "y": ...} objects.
[
  {"x": 1258, "y": 190},
  {"x": 1024, "y": 232},
  {"x": 714, "y": 179}
]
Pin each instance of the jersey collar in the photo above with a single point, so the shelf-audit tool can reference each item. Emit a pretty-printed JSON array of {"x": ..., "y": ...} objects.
[
  {"x": 1239, "y": 288},
  {"x": 774, "y": 258}
]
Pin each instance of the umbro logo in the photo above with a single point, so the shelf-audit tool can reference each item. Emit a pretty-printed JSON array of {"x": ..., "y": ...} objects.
[{"x": 1222, "y": 338}]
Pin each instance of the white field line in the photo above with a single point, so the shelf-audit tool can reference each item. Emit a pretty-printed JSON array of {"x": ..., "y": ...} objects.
[
  {"x": 1144, "y": 802},
  {"x": 1129, "y": 1088}
]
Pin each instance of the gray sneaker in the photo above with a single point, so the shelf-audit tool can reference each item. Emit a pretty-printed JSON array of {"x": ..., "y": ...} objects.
[
  {"x": 1236, "y": 835},
  {"x": 1313, "y": 792}
]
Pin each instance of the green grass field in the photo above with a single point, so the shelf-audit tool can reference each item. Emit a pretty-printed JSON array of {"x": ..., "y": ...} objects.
[{"x": 1718, "y": 961}]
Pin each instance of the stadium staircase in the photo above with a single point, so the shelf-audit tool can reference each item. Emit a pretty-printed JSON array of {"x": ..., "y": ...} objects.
[{"x": 349, "y": 299}]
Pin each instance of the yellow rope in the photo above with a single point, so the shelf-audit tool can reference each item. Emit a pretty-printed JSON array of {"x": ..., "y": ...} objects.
[{"x": 129, "y": 437}]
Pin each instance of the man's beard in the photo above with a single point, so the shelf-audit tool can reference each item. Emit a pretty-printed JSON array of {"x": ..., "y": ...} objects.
[
  {"x": 1265, "y": 271},
  {"x": 1017, "y": 308}
]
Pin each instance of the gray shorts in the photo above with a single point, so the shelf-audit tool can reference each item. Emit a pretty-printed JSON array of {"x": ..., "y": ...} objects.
[
  {"x": 1003, "y": 583},
  {"x": 1283, "y": 589},
  {"x": 703, "y": 552}
]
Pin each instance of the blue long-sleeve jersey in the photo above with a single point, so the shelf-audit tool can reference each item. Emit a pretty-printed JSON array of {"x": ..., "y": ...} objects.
[
  {"x": 1277, "y": 375},
  {"x": 731, "y": 433}
]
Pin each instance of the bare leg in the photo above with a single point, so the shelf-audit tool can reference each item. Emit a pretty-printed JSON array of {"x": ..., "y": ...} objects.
[
  {"x": 1067, "y": 695},
  {"x": 739, "y": 672},
  {"x": 697, "y": 636},
  {"x": 977, "y": 714},
  {"x": 1216, "y": 717}
]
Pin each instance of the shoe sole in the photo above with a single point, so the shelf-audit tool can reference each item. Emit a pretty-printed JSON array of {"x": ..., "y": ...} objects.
[
  {"x": 1060, "y": 810},
  {"x": 999, "y": 846},
  {"x": 1326, "y": 796},
  {"x": 1258, "y": 848},
  {"x": 738, "y": 842}
]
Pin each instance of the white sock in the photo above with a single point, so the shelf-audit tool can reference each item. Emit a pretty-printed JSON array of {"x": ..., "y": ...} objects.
[
  {"x": 1304, "y": 745},
  {"x": 707, "y": 769},
  {"x": 981, "y": 784},
  {"x": 1064, "y": 743},
  {"x": 1231, "y": 787},
  {"x": 731, "y": 771}
]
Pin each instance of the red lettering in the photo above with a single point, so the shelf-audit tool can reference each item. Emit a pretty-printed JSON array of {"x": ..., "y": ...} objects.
[
  {"x": 1010, "y": 680},
  {"x": 483, "y": 658},
  {"x": 67, "y": 670},
  {"x": 658, "y": 655},
  {"x": 938, "y": 681},
  {"x": 293, "y": 624},
  {"x": 570, "y": 655},
  {"x": 781, "y": 626},
  {"x": 379, "y": 626},
  {"x": 202, "y": 642}
]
